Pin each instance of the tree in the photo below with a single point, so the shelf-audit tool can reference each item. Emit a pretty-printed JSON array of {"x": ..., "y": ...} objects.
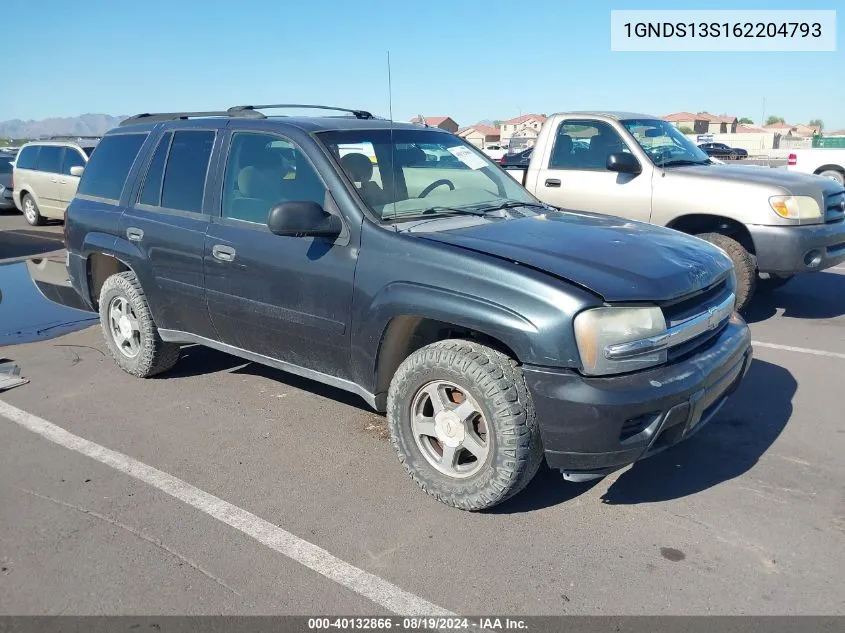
[
  {"x": 817, "y": 123},
  {"x": 497, "y": 123},
  {"x": 775, "y": 119},
  {"x": 685, "y": 129},
  {"x": 746, "y": 121}
]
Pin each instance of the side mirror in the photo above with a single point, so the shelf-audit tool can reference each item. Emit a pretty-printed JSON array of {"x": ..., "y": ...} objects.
[
  {"x": 303, "y": 219},
  {"x": 76, "y": 170},
  {"x": 623, "y": 163}
]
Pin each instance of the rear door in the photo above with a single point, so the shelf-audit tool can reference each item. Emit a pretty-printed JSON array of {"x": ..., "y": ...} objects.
[
  {"x": 71, "y": 157},
  {"x": 287, "y": 298},
  {"x": 45, "y": 181},
  {"x": 573, "y": 174},
  {"x": 167, "y": 220}
]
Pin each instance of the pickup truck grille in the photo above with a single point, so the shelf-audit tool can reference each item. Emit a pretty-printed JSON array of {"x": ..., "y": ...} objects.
[{"x": 835, "y": 207}]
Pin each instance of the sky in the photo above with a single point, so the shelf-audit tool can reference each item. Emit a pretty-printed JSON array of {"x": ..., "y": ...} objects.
[{"x": 467, "y": 59}]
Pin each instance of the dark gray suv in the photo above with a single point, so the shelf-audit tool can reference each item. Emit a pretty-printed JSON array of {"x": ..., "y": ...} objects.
[{"x": 401, "y": 264}]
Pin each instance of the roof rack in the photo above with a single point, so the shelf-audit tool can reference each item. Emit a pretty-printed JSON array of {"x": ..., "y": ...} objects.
[
  {"x": 70, "y": 137},
  {"x": 156, "y": 117},
  {"x": 237, "y": 110}
]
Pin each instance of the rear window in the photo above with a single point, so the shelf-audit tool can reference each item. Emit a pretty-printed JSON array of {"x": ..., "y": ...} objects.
[
  {"x": 109, "y": 165},
  {"x": 5, "y": 165},
  {"x": 49, "y": 159},
  {"x": 27, "y": 157}
]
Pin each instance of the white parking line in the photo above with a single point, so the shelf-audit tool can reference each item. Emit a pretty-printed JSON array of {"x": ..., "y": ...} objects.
[
  {"x": 800, "y": 350},
  {"x": 363, "y": 583}
]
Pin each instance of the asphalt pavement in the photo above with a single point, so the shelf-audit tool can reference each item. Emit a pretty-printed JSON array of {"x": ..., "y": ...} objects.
[{"x": 228, "y": 487}]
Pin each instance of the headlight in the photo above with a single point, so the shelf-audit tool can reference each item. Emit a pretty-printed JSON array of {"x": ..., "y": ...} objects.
[
  {"x": 796, "y": 207},
  {"x": 599, "y": 329}
]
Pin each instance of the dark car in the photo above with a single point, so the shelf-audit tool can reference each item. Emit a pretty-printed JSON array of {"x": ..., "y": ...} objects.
[
  {"x": 6, "y": 201},
  {"x": 722, "y": 151},
  {"x": 493, "y": 330},
  {"x": 517, "y": 159}
]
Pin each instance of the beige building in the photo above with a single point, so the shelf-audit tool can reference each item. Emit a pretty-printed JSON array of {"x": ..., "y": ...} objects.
[
  {"x": 525, "y": 126},
  {"x": 703, "y": 122},
  {"x": 443, "y": 122},
  {"x": 480, "y": 135}
]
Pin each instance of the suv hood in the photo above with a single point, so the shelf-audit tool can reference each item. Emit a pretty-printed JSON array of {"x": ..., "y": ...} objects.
[
  {"x": 619, "y": 260},
  {"x": 789, "y": 182}
]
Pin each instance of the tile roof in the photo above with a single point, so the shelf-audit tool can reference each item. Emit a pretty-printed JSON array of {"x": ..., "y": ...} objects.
[
  {"x": 486, "y": 130},
  {"x": 679, "y": 116},
  {"x": 431, "y": 120},
  {"x": 524, "y": 118}
]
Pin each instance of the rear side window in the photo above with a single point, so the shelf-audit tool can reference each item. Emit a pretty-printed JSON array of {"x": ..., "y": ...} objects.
[
  {"x": 5, "y": 166},
  {"x": 72, "y": 158},
  {"x": 109, "y": 165},
  {"x": 187, "y": 165},
  {"x": 27, "y": 157},
  {"x": 50, "y": 159},
  {"x": 151, "y": 192}
]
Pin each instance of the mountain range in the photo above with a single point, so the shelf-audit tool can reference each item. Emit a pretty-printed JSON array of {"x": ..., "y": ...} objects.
[{"x": 84, "y": 125}]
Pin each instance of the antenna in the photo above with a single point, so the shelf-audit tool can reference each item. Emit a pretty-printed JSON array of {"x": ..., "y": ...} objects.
[{"x": 392, "y": 144}]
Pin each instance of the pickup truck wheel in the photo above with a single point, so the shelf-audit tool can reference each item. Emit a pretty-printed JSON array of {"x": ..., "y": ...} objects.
[
  {"x": 834, "y": 174},
  {"x": 744, "y": 265},
  {"x": 129, "y": 329},
  {"x": 30, "y": 210},
  {"x": 463, "y": 424}
]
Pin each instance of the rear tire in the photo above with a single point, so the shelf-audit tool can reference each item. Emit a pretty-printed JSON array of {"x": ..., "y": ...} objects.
[
  {"x": 484, "y": 409},
  {"x": 744, "y": 265},
  {"x": 129, "y": 329},
  {"x": 834, "y": 174},
  {"x": 30, "y": 210}
]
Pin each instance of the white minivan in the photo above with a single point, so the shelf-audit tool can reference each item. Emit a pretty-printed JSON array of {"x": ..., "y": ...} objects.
[{"x": 46, "y": 175}]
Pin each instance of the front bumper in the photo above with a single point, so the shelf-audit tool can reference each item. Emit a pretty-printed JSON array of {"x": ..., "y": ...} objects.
[
  {"x": 593, "y": 426},
  {"x": 789, "y": 249}
]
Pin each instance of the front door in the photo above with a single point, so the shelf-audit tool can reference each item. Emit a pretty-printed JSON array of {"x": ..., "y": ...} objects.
[
  {"x": 573, "y": 173},
  {"x": 167, "y": 222},
  {"x": 287, "y": 298}
]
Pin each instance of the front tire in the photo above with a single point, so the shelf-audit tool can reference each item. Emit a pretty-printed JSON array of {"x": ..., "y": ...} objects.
[
  {"x": 463, "y": 424},
  {"x": 30, "y": 210},
  {"x": 129, "y": 329},
  {"x": 744, "y": 265}
]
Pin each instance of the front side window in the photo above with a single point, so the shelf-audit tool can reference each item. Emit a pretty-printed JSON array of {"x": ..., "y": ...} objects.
[
  {"x": 27, "y": 157},
  {"x": 109, "y": 166},
  {"x": 262, "y": 171},
  {"x": 665, "y": 145},
  {"x": 72, "y": 158},
  {"x": 50, "y": 159},
  {"x": 404, "y": 173},
  {"x": 585, "y": 145},
  {"x": 187, "y": 165}
]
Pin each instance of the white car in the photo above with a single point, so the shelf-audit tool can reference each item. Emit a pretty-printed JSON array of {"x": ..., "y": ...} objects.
[
  {"x": 495, "y": 152},
  {"x": 826, "y": 162}
]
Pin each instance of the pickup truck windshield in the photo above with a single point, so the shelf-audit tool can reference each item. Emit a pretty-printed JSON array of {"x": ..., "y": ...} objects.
[
  {"x": 664, "y": 144},
  {"x": 404, "y": 173}
]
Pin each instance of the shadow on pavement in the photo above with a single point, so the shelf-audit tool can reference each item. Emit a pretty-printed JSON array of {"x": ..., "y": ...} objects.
[
  {"x": 24, "y": 243},
  {"x": 548, "y": 488},
  {"x": 810, "y": 296},
  {"x": 729, "y": 446}
]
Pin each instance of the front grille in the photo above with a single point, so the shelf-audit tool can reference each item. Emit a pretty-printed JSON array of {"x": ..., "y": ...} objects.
[
  {"x": 834, "y": 211},
  {"x": 688, "y": 307}
]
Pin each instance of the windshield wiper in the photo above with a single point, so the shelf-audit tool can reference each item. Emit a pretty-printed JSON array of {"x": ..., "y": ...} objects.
[
  {"x": 458, "y": 210},
  {"x": 684, "y": 161},
  {"x": 510, "y": 204}
]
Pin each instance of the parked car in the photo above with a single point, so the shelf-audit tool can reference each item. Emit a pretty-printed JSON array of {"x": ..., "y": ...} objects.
[
  {"x": 495, "y": 151},
  {"x": 46, "y": 174},
  {"x": 825, "y": 162},
  {"x": 492, "y": 329},
  {"x": 773, "y": 224},
  {"x": 6, "y": 200},
  {"x": 518, "y": 159},
  {"x": 720, "y": 150}
]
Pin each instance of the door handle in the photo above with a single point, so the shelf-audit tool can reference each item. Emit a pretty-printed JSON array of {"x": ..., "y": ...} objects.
[
  {"x": 54, "y": 180},
  {"x": 63, "y": 182},
  {"x": 553, "y": 182},
  {"x": 134, "y": 235},
  {"x": 223, "y": 253}
]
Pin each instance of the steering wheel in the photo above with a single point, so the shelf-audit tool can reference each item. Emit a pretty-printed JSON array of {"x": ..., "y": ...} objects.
[
  {"x": 662, "y": 154},
  {"x": 435, "y": 185}
]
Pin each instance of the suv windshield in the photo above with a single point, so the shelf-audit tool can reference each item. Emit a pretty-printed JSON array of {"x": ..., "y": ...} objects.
[
  {"x": 403, "y": 173},
  {"x": 664, "y": 144}
]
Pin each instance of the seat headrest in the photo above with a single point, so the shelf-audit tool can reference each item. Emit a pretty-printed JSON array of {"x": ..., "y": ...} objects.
[{"x": 357, "y": 166}]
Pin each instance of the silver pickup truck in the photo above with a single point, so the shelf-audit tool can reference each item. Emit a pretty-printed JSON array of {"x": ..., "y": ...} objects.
[{"x": 771, "y": 222}]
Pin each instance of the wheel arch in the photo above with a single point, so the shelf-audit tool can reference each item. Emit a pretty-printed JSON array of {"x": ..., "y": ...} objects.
[{"x": 695, "y": 223}]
